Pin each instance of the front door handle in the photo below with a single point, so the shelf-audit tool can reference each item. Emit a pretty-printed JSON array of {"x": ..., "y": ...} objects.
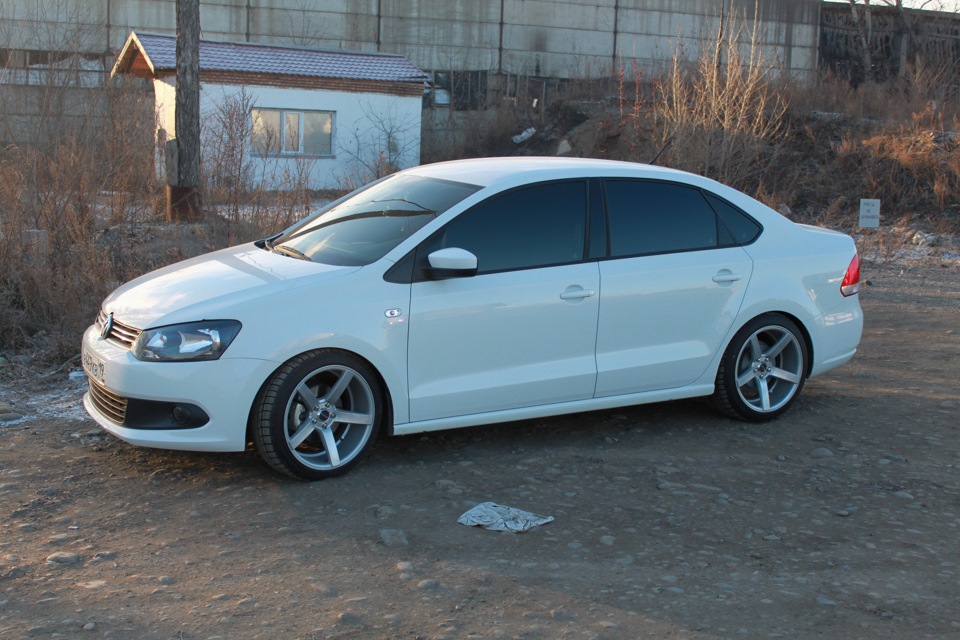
[{"x": 576, "y": 294}]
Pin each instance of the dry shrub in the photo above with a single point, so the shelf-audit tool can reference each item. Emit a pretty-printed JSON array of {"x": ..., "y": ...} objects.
[
  {"x": 913, "y": 170},
  {"x": 723, "y": 113},
  {"x": 57, "y": 191},
  {"x": 474, "y": 134}
]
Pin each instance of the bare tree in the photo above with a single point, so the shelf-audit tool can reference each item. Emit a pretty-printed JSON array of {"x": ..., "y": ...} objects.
[
  {"x": 862, "y": 19},
  {"x": 909, "y": 29},
  {"x": 386, "y": 145},
  {"x": 305, "y": 30},
  {"x": 184, "y": 201}
]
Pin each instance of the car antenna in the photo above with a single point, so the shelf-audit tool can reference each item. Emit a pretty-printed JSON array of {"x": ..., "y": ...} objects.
[{"x": 662, "y": 149}]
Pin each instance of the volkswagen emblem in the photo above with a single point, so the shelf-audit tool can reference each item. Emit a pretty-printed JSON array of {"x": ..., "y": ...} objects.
[{"x": 107, "y": 326}]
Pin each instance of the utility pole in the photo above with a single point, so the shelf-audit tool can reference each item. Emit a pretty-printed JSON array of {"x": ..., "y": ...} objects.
[{"x": 183, "y": 199}]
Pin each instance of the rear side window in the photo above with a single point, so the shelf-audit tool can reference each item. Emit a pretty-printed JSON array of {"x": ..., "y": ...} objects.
[
  {"x": 658, "y": 217},
  {"x": 736, "y": 227},
  {"x": 537, "y": 226}
]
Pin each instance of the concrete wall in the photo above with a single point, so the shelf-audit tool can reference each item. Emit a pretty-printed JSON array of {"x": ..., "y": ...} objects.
[
  {"x": 547, "y": 38},
  {"x": 513, "y": 40},
  {"x": 362, "y": 124}
]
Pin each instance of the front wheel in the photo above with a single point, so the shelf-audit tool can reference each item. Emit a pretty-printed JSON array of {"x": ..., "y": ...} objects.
[
  {"x": 762, "y": 370},
  {"x": 318, "y": 415}
]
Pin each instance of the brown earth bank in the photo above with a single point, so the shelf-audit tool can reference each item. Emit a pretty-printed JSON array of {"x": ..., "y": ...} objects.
[{"x": 838, "y": 520}]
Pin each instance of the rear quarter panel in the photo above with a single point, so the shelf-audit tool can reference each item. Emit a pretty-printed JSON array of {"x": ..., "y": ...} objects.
[{"x": 798, "y": 271}]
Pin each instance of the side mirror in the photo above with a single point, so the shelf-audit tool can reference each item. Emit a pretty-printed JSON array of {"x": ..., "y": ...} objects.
[{"x": 451, "y": 263}]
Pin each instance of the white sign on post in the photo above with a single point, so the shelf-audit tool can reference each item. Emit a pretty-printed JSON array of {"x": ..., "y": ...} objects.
[{"x": 869, "y": 214}]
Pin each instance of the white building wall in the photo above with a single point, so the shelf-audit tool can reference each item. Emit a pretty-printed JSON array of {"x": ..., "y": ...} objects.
[
  {"x": 165, "y": 100},
  {"x": 364, "y": 125}
]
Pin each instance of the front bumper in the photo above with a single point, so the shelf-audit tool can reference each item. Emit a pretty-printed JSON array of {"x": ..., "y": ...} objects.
[{"x": 220, "y": 393}]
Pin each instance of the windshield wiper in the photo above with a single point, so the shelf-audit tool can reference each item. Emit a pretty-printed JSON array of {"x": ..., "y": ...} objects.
[
  {"x": 410, "y": 202},
  {"x": 290, "y": 251}
]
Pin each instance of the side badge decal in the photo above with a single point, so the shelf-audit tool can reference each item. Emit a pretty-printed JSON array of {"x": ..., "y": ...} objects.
[{"x": 392, "y": 313}]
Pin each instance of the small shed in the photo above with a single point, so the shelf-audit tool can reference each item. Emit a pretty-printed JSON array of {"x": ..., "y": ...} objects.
[{"x": 336, "y": 118}]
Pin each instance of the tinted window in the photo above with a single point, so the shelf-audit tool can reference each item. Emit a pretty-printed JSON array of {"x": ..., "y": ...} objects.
[
  {"x": 735, "y": 227},
  {"x": 534, "y": 226},
  {"x": 365, "y": 226},
  {"x": 657, "y": 217}
]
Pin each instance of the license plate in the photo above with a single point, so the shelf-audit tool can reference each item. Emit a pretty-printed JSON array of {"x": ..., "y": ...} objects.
[{"x": 93, "y": 366}]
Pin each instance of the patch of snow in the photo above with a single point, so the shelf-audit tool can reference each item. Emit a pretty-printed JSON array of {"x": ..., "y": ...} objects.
[
  {"x": 64, "y": 402},
  {"x": 909, "y": 246}
]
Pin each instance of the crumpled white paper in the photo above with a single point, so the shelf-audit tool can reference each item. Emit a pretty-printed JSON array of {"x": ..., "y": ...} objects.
[{"x": 496, "y": 517}]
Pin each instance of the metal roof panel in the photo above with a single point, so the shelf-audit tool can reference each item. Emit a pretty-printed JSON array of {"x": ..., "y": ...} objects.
[{"x": 284, "y": 61}]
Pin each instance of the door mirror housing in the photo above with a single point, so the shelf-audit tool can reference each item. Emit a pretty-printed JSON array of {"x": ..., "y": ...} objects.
[{"x": 452, "y": 262}]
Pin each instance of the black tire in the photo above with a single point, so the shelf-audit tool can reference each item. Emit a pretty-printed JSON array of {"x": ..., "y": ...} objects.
[
  {"x": 318, "y": 415},
  {"x": 763, "y": 369}
]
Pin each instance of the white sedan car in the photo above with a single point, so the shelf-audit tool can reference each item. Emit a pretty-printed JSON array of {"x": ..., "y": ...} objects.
[{"x": 468, "y": 293}]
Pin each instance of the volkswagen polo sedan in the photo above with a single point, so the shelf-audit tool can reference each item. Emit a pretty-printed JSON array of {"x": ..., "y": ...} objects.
[{"x": 468, "y": 293}]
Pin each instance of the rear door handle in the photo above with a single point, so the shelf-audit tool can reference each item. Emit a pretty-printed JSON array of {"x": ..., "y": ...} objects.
[{"x": 726, "y": 276}]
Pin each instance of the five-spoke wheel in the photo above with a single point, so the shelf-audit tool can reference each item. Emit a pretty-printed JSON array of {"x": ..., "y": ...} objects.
[
  {"x": 318, "y": 414},
  {"x": 763, "y": 369}
]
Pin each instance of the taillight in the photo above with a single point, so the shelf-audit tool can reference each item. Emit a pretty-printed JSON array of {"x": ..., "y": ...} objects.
[{"x": 851, "y": 279}]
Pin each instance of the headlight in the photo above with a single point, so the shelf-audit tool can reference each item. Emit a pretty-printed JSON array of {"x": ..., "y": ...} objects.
[{"x": 204, "y": 340}]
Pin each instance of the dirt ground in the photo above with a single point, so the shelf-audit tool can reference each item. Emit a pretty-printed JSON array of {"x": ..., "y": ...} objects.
[{"x": 839, "y": 520}]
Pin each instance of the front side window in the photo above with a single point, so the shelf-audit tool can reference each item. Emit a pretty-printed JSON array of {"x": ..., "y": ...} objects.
[
  {"x": 364, "y": 226},
  {"x": 537, "y": 226},
  {"x": 279, "y": 131}
]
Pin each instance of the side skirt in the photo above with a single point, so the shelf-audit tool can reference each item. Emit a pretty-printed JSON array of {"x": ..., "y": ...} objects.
[{"x": 560, "y": 408}]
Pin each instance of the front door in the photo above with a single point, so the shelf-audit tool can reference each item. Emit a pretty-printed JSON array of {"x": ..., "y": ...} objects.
[{"x": 520, "y": 333}]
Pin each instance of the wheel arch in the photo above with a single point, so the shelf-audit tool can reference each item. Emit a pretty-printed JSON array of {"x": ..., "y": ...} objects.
[{"x": 387, "y": 401}]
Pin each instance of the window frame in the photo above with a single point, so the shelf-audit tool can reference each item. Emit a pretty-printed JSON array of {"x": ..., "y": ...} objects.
[{"x": 282, "y": 133}]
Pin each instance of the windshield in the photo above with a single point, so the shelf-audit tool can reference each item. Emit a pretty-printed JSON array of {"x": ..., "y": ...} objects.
[{"x": 366, "y": 225}]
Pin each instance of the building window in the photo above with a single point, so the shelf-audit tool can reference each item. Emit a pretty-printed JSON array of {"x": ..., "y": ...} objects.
[{"x": 282, "y": 132}]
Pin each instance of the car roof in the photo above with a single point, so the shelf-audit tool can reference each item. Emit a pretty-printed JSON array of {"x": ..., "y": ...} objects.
[{"x": 486, "y": 172}]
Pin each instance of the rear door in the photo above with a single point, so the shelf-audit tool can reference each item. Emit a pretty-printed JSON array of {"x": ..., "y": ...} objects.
[{"x": 672, "y": 286}]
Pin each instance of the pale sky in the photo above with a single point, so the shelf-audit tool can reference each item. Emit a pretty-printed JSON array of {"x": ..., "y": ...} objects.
[{"x": 930, "y": 5}]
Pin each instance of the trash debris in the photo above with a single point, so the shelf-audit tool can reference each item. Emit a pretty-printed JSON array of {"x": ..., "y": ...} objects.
[
  {"x": 523, "y": 136},
  {"x": 496, "y": 517},
  {"x": 920, "y": 238}
]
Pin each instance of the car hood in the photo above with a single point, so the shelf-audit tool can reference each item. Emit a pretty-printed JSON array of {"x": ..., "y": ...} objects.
[{"x": 212, "y": 286}]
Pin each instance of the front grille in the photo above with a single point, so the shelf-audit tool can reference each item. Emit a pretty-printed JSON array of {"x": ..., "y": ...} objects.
[
  {"x": 122, "y": 335},
  {"x": 110, "y": 405}
]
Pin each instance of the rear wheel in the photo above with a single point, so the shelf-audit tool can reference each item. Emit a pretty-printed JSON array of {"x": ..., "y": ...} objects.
[
  {"x": 763, "y": 369},
  {"x": 318, "y": 415}
]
